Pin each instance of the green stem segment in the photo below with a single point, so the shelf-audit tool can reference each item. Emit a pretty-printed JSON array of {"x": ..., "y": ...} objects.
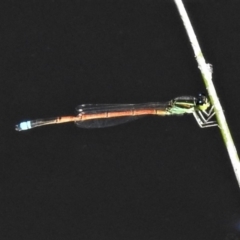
[{"x": 206, "y": 72}]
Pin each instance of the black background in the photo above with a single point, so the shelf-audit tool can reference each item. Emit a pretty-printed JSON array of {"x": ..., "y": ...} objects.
[{"x": 156, "y": 178}]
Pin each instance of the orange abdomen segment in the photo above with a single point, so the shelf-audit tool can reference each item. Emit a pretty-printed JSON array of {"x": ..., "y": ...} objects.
[{"x": 128, "y": 113}]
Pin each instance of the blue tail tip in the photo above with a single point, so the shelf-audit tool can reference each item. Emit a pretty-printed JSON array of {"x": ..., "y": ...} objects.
[{"x": 23, "y": 126}]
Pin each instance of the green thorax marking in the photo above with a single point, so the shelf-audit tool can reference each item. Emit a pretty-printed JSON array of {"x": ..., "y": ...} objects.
[
  {"x": 181, "y": 107},
  {"x": 187, "y": 105}
]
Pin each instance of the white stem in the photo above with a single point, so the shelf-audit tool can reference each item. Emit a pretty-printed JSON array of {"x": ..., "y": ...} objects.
[{"x": 206, "y": 72}]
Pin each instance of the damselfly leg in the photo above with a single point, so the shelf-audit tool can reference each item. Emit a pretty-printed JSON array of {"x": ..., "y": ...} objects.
[{"x": 204, "y": 117}]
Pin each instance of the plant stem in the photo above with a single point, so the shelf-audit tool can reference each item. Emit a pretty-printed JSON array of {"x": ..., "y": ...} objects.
[{"x": 206, "y": 71}]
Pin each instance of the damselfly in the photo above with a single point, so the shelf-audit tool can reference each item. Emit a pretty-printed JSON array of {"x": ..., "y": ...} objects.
[{"x": 106, "y": 115}]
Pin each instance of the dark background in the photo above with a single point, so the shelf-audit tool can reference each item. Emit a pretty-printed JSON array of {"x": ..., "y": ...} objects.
[{"x": 156, "y": 178}]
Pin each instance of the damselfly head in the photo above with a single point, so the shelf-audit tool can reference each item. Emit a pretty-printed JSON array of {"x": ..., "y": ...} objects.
[{"x": 202, "y": 102}]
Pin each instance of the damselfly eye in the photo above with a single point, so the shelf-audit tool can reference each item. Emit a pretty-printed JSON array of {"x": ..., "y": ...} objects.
[{"x": 202, "y": 99}]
